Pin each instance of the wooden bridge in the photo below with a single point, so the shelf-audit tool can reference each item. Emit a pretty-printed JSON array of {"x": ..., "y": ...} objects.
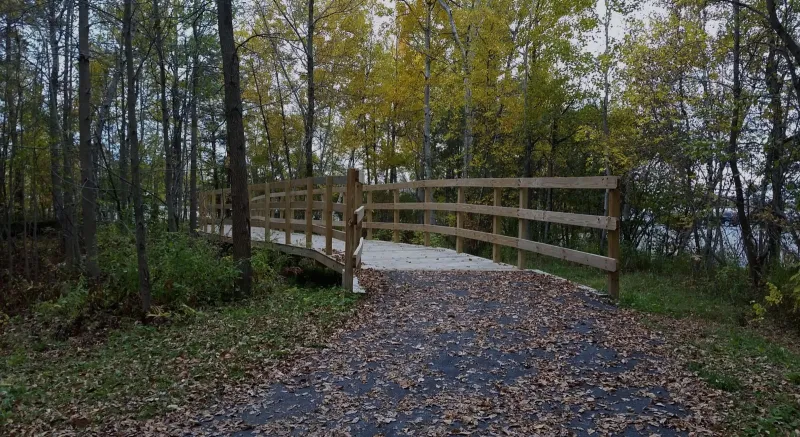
[{"x": 337, "y": 210}]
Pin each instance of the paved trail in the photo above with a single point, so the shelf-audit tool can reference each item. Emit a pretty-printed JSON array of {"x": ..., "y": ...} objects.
[{"x": 482, "y": 353}]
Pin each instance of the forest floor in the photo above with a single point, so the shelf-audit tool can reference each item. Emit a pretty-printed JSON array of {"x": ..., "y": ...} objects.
[{"x": 510, "y": 353}]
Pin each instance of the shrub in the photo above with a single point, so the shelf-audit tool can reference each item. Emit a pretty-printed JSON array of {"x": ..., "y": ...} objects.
[
  {"x": 267, "y": 264},
  {"x": 183, "y": 270}
]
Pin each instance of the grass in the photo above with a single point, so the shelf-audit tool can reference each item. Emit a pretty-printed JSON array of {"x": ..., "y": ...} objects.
[{"x": 140, "y": 371}]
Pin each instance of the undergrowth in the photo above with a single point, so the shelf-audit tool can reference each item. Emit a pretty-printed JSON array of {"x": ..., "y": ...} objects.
[{"x": 81, "y": 356}]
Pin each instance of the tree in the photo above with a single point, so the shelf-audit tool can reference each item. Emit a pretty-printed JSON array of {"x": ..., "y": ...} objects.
[
  {"x": 133, "y": 143},
  {"x": 88, "y": 180},
  {"x": 240, "y": 202}
]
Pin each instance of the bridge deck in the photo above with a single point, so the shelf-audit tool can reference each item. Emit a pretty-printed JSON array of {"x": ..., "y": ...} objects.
[{"x": 386, "y": 255}]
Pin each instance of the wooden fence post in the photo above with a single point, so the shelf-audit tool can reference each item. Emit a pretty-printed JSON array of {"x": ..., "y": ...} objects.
[
  {"x": 396, "y": 232},
  {"x": 427, "y": 218},
  {"x": 329, "y": 215},
  {"x": 349, "y": 229},
  {"x": 496, "y": 226},
  {"x": 309, "y": 212},
  {"x": 368, "y": 216},
  {"x": 522, "y": 227},
  {"x": 287, "y": 211},
  {"x": 460, "y": 221},
  {"x": 267, "y": 215},
  {"x": 613, "y": 242},
  {"x": 359, "y": 201}
]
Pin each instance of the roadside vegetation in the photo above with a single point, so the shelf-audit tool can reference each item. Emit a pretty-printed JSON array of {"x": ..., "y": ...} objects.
[{"x": 82, "y": 356}]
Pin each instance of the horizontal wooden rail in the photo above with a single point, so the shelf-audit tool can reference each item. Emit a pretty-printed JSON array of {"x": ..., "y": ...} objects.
[
  {"x": 359, "y": 214},
  {"x": 589, "y": 259},
  {"x": 591, "y": 182},
  {"x": 565, "y": 218}
]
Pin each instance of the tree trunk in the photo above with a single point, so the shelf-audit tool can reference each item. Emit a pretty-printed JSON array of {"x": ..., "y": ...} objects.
[
  {"x": 169, "y": 170},
  {"x": 55, "y": 133},
  {"x": 265, "y": 122},
  {"x": 774, "y": 159},
  {"x": 124, "y": 155},
  {"x": 240, "y": 203},
  {"x": 193, "y": 151},
  {"x": 177, "y": 153},
  {"x": 733, "y": 159},
  {"x": 286, "y": 151},
  {"x": 71, "y": 240},
  {"x": 88, "y": 182},
  {"x": 136, "y": 183},
  {"x": 427, "y": 164},
  {"x": 308, "y": 140}
]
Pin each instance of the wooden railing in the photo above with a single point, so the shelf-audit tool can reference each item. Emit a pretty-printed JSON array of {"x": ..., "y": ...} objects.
[
  {"x": 274, "y": 206},
  {"x": 611, "y": 223}
]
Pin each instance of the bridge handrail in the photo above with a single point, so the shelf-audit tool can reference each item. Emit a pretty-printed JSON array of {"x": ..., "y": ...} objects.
[
  {"x": 611, "y": 223},
  {"x": 356, "y": 214}
]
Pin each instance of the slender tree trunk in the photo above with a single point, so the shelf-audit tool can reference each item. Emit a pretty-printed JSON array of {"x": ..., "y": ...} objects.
[
  {"x": 71, "y": 240},
  {"x": 124, "y": 155},
  {"x": 240, "y": 203},
  {"x": 265, "y": 122},
  {"x": 286, "y": 152},
  {"x": 427, "y": 163},
  {"x": 88, "y": 182},
  {"x": 308, "y": 140},
  {"x": 55, "y": 133},
  {"x": 774, "y": 157},
  {"x": 606, "y": 94},
  {"x": 136, "y": 183},
  {"x": 177, "y": 152},
  {"x": 733, "y": 159},
  {"x": 193, "y": 151},
  {"x": 169, "y": 169}
]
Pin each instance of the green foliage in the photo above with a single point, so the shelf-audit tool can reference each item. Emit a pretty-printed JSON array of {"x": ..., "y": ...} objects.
[
  {"x": 715, "y": 378},
  {"x": 777, "y": 419},
  {"x": 67, "y": 307},
  {"x": 267, "y": 265},
  {"x": 184, "y": 270},
  {"x": 782, "y": 295}
]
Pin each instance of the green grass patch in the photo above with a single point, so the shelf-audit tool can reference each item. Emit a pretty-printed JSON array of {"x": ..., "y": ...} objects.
[
  {"x": 715, "y": 378},
  {"x": 139, "y": 371}
]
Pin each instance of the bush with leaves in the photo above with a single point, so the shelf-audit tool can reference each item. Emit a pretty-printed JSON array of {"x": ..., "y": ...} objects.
[{"x": 184, "y": 270}]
